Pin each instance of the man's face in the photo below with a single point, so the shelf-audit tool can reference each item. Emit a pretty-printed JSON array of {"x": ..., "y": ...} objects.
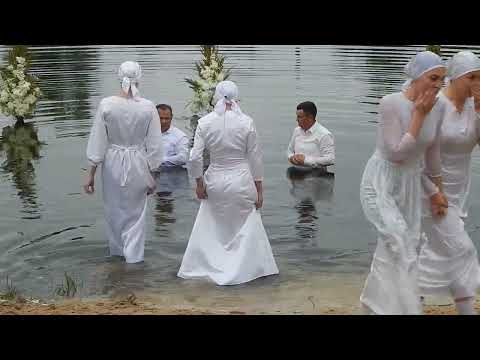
[
  {"x": 165, "y": 119},
  {"x": 305, "y": 121}
]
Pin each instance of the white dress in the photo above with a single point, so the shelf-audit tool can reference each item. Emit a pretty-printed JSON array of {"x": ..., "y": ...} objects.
[
  {"x": 126, "y": 138},
  {"x": 393, "y": 183},
  {"x": 228, "y": 244},
  {"x": 448, "y": 260}
]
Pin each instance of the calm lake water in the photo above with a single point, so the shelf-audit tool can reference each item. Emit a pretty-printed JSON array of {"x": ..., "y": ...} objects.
[{"x": 316, "y": 226}]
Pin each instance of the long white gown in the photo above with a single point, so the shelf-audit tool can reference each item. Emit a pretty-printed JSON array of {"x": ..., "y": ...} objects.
[
  {"x": 448, "y": 260},
  {"x": 126, "y": 138},
  {"x": 228, "y": 244},
  {"x": 393, "y": 183}
]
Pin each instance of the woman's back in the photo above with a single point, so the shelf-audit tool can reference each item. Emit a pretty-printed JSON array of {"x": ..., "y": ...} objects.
[
  {"x": 226, "y": 137},
  {"x": 127, "y": 120}
]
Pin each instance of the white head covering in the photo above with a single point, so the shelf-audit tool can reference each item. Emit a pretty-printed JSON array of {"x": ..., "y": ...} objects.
[
  {"x": 419, "y": 64},
  {"x": 226, "y": 92},
  {"x": 129, "y": 73},
  {"x": 461, "y": 64}
]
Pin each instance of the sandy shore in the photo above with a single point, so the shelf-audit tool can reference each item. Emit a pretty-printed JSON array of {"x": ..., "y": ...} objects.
[
  {"x": 317, "y": 294},
  {"x": 132, "y": 306}
]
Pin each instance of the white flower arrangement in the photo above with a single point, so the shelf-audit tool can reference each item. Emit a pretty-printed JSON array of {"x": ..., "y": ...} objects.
[
  {"x": 19, "y": 93},
  {"x": 210, "y": 72}
]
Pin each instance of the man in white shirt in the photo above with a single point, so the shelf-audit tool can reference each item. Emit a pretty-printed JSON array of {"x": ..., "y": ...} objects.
[
  {"x": 175, "y": 141},
  {"x": 312, "y": 144}
]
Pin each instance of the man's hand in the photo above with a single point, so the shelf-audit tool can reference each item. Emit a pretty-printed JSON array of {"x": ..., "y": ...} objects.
[{"x": 298, "y": 159}]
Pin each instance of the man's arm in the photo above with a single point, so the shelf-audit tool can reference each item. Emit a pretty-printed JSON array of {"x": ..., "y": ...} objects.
[
  {"x": 326, "y": 147},
  {"x": 291, "y": 147}
]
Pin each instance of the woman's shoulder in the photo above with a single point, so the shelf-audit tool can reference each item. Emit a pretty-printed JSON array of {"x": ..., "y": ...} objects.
[
  {"x": 393, "y": 98},
  {"x": 207, "y": 118},
  {"x": 246, "y": 120},
  {"x": 108, "y": 100}
]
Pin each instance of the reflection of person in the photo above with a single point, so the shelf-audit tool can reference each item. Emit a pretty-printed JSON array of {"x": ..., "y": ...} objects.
[
  {"x": 315, "y": 185},
  {"x": 21, "y": 145},
  {"x": 448, "y": 260},
  {"x": 172, "y": 179},
  {"x": 175, "y": 141},
  {"x": 228, "y": 244},
  {"x": 126, "y": 139},
  {"x": 311, "y": 144},
  {"x": 309, "y": 188},
  {"x": 407, "y": 156}
]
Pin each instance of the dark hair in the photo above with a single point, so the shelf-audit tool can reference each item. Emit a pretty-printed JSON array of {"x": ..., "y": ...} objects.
[
  {"x": 165, "y": 107},
  {"x": 308, "y": 107}
]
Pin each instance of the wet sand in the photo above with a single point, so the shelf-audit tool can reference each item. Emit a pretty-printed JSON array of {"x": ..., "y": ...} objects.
[
  {"x": 315, "y": 295},
  {"x": 140, "y": 307}
]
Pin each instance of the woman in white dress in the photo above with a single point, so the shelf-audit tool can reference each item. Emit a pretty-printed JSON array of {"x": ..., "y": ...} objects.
[
  {"x": 407, "y": 156},
  {"x": 448, "y": 260},
  {"x": 126, "y": 138},
  {"x": 228, "y": 244}
]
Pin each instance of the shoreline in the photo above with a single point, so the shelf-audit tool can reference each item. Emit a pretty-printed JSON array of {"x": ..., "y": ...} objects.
[
  {"x": 133, "y": 306},
  {"x": 317, "y": 294}
]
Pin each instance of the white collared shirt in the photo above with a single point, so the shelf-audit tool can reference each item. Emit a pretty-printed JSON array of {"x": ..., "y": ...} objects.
[
  {"x": 316, "y": 144},
  {"x": 175, "y": 147}
]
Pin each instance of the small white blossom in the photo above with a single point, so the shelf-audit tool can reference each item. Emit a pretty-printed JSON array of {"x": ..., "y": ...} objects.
[{"x": 31, "y": 99}]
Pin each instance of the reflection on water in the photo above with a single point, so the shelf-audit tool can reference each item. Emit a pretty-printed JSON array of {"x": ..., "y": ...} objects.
[
  {"x": 68, "y": 79},
  {"x": 47, "y": 226},
  {"x": 312, "y": 188},
  {"x": 21, "y": 146},
  {"x": 123, "y": 279},
  {"x": 170, "y": 181}
]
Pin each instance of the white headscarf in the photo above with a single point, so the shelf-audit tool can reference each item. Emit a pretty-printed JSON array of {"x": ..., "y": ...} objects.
[
  {"x": 129, "y": 73},
  {"x": 419, "y": 64},
  {"x": 226, "y": 92},
  {"x": 461, "y": 64}
]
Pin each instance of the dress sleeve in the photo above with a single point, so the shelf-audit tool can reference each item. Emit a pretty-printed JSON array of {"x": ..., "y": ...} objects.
[
  {"x": 98, "y": 140},
  {"x": 196, "y": 154},
  {"x": 254, "y": 153},
  {"x": 153, "y": 142},
  {"x": 397, "y": 145}
]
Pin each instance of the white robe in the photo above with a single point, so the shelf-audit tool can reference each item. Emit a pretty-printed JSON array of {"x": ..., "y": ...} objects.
[
  {"x": 228, "y": 244},
  {"x": 391, "y": 195},
  {"x": 448, "y": 259},
  {"x": 126, "y": 139}
]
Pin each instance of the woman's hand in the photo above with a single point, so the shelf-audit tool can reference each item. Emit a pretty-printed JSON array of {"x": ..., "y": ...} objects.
[
  {"x": 259, "y": 202},
  {"x": 425, "y": 102},
  {"x": 439, "y": 204},
  {"x": 259, "y": 187},
  {"x": 151, "y": 189},
  {"x": 201, "y": 190},
  {"x": 476, "y": 96},
  {"x": 89, "y": 186}
]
